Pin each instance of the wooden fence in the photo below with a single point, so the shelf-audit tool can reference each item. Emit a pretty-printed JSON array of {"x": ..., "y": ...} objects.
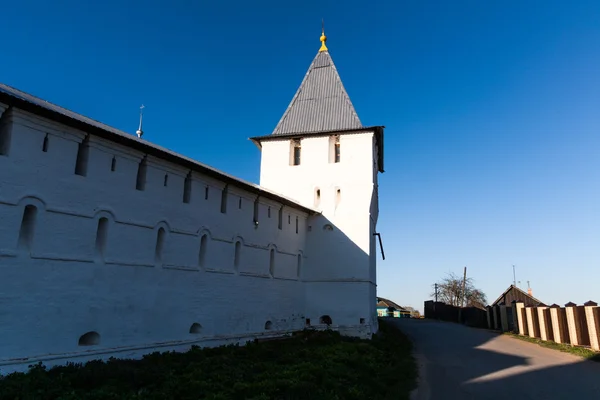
[
  {"x": 572, "y": 324},
  {"x": 471, "y": 316}
]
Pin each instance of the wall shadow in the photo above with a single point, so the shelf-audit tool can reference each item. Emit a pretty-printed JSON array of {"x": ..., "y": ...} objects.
[{"x": 460, "y": 362}]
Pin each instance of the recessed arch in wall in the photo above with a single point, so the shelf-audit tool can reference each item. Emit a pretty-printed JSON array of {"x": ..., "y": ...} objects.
[
  {"x": 272, "y": 262},
  {"x": 268, "y": 325},
  {"x": 204, "y": 239},
  {"x": 238, "y": 245},
  {"x": 162, "y": 229},
  {"x": 196, "y": 328},
  {"x": 91, "y": 338},
  {"x": 325, "y": 319},
  {"x": 327, "y": 227},
  {"x": 298, "y": 265},
  {"x": 32, "y": 206},
  {"x": 101, "y": 239},
  {"x": 105, "y": 218}
]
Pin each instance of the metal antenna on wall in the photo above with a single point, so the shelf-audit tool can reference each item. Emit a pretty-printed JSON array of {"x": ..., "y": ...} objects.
[{"x": 140, "y": 132}]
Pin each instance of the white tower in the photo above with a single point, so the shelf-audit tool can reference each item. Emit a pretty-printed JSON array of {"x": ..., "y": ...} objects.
[{"x": 323, "y": 157}]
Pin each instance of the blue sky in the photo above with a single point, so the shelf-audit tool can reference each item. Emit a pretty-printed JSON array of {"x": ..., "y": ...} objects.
[{"x": 492, "y": 113}]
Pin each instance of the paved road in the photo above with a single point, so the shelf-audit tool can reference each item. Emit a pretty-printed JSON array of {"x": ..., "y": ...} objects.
[{"x": 457, "y": 362}]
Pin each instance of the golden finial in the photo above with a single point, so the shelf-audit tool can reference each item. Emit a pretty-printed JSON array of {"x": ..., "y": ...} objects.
[{"x": 323, "y": 37}]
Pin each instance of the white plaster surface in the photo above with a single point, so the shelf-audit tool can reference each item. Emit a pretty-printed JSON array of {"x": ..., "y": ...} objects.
[{"x": 63, "y": 283}]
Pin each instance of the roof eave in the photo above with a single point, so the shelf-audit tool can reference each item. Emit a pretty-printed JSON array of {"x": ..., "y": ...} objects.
[
  {"x": 378, "y": 129},
  {"x": 135, "y": 143}
]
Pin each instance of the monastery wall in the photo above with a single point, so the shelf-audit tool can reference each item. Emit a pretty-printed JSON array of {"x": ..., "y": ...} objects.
[{"x": 105, "y": 250}]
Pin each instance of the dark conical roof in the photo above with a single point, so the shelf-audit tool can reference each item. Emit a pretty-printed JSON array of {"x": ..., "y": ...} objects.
[{"x": 321, "y": 103}]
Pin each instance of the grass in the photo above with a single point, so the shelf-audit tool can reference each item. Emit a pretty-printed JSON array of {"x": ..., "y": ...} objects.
[
  {"x": 565, "y": 348},
  {"x": 309, "y": 365}
]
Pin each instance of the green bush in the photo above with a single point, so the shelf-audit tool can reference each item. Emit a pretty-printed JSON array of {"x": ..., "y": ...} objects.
[{"x": 308, "y": 365}]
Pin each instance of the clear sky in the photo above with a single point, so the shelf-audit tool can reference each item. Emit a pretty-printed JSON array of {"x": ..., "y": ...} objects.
[{"x": 492, "y": 111}]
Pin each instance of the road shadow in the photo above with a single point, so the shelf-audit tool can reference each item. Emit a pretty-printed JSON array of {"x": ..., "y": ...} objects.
[{"x": 459, "y": 362}]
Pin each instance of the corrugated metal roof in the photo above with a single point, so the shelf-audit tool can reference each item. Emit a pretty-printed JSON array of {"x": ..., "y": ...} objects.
[
  {"x": 35, "y": 105},
  {"x": 321, "y": 103}
]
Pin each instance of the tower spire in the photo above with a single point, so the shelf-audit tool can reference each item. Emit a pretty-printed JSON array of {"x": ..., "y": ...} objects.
[
  {"x": 140, "y": 132},
  {"x": 323, "y": 37}
]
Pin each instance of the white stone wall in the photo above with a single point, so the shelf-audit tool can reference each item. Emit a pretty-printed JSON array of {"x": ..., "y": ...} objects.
[
  {"x": 60, "y": 280},
  {"x": 340, "y": 243}
]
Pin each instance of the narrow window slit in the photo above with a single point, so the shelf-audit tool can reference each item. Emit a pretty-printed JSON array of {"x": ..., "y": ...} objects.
[
  {"x": 280, "y": 216},
  {"x": 83, "y": 152},
  {"x": 45, "y": 144},
  {"x": 5, "y": 131},
  {"x": 140, "y": 183},
  {"x": 256, "y": 207},
  {"x": 187, "y": 188},
  {"x": 224, "y": 200}
]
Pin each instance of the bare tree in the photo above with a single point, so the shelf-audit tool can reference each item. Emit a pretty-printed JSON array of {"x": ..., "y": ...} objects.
[{"x": 449, "y": 291}]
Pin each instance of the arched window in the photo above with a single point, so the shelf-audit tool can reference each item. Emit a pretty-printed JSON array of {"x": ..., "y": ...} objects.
[
  {"x": 113, "y": 164},
  {"x": 272, "y": 262},
  {"x": 166, "y": 180},
  {"x": 27, "y": 230},
  {"x": 268, "y": 325},
  {"x": 317, "y": 197},
  {"x": 236, "y": 257},
  {"x": 101, "y": 236},
  {"x": 196, "y": 328},
  {"x": 338, "y": 196},
  {"x": 202, "y": 253},
  {"x": 325, "y": 319},
  {"x": 89, "y": 339},
  {"x": 160, "y": 243}
]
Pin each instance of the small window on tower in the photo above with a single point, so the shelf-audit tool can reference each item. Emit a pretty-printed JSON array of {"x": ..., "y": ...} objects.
[
  {"x": 334, "y": 149},
  {"x": 296, "y": 151}
]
